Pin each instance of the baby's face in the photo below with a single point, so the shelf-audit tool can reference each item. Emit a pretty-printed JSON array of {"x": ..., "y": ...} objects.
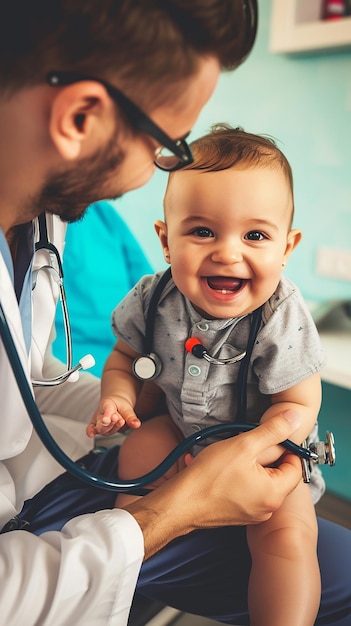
[{"x": 228, "y": 235}]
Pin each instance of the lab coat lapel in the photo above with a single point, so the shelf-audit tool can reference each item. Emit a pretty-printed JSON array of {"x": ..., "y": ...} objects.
[{"x": 15, "y": 433}]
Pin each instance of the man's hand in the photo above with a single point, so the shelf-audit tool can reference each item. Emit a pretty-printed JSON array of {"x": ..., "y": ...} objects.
[{"x": 224, "y": 486}]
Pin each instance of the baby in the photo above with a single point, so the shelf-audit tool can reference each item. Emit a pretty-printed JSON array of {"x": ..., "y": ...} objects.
[{"x": 227, "y": 234}]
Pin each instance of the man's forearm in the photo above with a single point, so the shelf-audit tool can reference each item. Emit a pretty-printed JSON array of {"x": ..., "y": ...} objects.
[{"x": 161, "y": 515}]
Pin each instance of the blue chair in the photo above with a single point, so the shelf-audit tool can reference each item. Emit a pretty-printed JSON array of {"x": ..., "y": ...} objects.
[{"x": 102, "y": 261}]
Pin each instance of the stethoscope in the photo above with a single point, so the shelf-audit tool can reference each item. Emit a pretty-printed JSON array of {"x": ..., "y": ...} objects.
[
  {"x": 320, "y": 452},
  {"x": 55, "y": 270}
]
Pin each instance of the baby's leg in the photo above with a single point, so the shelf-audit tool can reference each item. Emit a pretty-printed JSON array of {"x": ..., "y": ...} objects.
[
  {"x": 284, "y": 587},
  {"x": 144, "y": 449}
]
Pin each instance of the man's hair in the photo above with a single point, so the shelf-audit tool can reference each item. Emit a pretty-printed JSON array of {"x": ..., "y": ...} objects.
[
  {"x": 143, "y": 43},
  {"x": 225, "y": 147}
]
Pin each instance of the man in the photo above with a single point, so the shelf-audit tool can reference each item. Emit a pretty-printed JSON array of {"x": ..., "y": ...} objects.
[{"x": 90, "y": 92}]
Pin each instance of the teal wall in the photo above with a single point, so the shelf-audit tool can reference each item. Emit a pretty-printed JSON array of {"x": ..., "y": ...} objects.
[
  {"x": 305, "y": 103},
  {"x": 335, "y": 416}
]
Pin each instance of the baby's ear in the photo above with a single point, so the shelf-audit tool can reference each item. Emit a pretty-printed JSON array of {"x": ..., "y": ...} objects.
[
  {"x": 293, "y": 240},
  {"x": 161, "y": 231}
]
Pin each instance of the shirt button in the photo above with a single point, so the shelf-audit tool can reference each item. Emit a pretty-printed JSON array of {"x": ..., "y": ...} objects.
[
  {"x": 196, "y": 428},
  {"x": 194, "y": 370},
  {"x": 202, "y": 326}
]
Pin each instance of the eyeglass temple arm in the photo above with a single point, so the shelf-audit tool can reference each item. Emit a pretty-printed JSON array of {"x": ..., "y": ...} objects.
[{"x": 137, "y": 117}]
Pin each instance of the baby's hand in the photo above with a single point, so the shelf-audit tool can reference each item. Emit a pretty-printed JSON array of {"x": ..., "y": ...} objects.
[{"x": 111, "y": 416}]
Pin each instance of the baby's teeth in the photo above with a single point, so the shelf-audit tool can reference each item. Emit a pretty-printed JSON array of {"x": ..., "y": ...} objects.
[{"x": 224, "y": 291}]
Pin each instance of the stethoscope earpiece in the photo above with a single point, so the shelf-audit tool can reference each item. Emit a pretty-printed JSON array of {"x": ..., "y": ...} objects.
[
  {"x": 71, "y": 375},
  {"x": 147, "y": 367}
]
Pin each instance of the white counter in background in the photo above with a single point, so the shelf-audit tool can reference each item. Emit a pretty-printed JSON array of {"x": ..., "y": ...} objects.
[{"x": 333, "y": 321}]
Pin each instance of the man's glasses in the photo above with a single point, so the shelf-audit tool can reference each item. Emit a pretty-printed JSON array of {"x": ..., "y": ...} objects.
[{"x": 170, "y": 156}]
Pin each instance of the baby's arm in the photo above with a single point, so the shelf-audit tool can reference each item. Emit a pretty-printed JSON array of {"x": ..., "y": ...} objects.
[
  {"x": 119, "y": 391},
  {"x": 305, "y": 397}
]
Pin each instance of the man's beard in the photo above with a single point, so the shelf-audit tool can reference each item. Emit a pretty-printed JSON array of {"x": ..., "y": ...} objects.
[{"x": 68, "y": 194}]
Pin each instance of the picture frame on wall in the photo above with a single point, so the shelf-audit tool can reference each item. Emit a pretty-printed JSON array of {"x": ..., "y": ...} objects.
[{"x": 298, "y": 26}]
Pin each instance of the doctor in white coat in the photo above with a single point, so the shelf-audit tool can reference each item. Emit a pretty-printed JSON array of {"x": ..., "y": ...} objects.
[
  {"x": 66, "y": 142},
  {"x": 45, "y": 581}
]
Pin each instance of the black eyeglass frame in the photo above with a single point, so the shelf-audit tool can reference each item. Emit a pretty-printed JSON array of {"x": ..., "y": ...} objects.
[{"x": 137, "y": 118}]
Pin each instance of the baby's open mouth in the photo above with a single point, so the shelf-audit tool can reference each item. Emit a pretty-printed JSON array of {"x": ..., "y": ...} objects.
[{"x": 225, "y": 284}]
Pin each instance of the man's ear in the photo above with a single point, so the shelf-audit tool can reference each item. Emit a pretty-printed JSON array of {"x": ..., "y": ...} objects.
[
  {"x": 293, "y": 240},
  {"x": 82, "y": 118},
  {"x": 162, "y": 233}
]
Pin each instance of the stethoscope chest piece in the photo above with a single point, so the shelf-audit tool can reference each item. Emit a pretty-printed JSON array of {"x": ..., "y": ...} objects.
[{"x": 147, "y": 366}]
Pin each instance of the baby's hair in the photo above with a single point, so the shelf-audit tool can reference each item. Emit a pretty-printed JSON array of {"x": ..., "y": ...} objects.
[{"x": 225, "y": 147}]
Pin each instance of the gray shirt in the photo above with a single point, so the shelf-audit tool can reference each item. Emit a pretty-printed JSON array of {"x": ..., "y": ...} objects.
[{"x": 198, "y": 393}]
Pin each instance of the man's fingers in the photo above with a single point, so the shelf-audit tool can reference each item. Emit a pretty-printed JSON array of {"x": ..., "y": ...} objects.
[
  {"x": 288, "y": 473},
  {"x": 274, "y": 431}
]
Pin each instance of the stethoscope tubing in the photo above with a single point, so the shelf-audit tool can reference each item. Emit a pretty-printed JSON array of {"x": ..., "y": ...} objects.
[{"x": 137, "y": 485}]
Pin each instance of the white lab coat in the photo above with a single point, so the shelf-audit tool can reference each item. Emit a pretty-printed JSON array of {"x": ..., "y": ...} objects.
[{"x": 87, "y": 573}]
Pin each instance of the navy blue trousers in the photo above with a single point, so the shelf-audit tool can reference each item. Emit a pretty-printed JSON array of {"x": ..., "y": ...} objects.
[{"x": 205, "y": 572}]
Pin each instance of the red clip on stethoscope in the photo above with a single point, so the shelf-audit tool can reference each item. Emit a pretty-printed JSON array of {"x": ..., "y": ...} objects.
[{"x": 195, "y": 347}]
